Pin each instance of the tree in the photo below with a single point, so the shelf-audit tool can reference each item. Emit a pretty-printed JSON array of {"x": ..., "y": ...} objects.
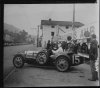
[{"x": 23, "y": 35}]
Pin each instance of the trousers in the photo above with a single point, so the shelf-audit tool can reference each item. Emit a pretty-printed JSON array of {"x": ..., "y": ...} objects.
[{"x": 93, "y": 70}]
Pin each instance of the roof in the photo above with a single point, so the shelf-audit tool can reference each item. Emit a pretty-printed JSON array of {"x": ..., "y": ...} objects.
[{"x": 61, "y": 23}]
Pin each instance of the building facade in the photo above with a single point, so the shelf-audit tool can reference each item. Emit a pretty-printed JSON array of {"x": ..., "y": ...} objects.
[{"x": 60, "y": 29}]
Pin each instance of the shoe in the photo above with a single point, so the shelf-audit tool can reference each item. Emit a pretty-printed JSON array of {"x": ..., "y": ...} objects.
[{"x": 92, "y": 79}]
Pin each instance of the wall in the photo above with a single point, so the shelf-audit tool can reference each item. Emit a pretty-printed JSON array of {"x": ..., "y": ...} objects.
[
  {"x": 69, "y": 32},
  {"x": 48, "y": 29},
  {"x": 47, "y": 33}
]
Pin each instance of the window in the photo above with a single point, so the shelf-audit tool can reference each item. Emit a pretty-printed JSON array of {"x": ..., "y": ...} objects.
[
  {"x": 52, "y": 33},
  {"x": 67, "y": 27},
  {"x": 52, "y": 26}
]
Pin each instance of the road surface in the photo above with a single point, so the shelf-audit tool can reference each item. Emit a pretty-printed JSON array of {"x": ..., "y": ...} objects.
[
  {"x": 8, "y": 56},
  {"x": 35, "y": 76}
]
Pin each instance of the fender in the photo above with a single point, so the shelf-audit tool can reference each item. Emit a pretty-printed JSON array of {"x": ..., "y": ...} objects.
[
  {"x": 20, "y": 54},
  {"x": 55, "y": 56},
  {"x": 64, "y": 56}
]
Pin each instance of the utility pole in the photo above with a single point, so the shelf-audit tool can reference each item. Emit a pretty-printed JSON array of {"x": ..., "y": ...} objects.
[
  {"x": 73, "y": 26},
  {"x": 38, "y": 37}
]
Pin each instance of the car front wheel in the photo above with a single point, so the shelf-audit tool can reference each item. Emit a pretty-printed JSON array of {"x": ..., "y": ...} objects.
[
  {"x": 41, "y": 58},
  {"x": 18, "y": 61},
  {"x": 62, "y": 64}
]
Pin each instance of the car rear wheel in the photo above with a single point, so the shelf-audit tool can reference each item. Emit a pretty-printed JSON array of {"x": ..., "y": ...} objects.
[
  {"x": 18, "y": 61},
  {"x": 41, "y": 58},
  {"x": 62, "y": 64}
]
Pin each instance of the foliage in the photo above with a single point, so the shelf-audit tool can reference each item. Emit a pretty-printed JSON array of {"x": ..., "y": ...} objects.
[{"x": 20, "y": 37}]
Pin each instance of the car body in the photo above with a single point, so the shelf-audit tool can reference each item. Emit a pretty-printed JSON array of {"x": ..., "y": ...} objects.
[{"x": 62, "y": 61}]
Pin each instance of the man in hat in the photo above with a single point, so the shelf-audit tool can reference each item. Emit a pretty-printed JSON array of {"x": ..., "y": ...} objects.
[
  {"x": 63, "y": 45},
  {"x": 93, "y": 54}
]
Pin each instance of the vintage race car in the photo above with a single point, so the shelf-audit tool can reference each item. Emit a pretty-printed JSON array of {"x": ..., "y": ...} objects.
[{"x": 62, "y": 61}]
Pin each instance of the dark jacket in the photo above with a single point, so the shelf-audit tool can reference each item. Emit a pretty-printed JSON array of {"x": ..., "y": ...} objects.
[
  {"x": 48, "y": 46},
  {"x": 93, "y": 50},
  {"x": 84, "y": 48},
  {"x": 63, "y": 44},
  {"x": 75, "y": 48}
]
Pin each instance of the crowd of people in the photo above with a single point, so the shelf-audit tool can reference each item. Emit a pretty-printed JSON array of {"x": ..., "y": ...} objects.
[
  {"x": 90, "y": 47},
  {"x": 73, "y": 46}
]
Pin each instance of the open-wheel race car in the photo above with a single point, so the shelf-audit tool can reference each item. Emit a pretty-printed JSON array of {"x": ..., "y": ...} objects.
[{"x": 62, "y": 61}]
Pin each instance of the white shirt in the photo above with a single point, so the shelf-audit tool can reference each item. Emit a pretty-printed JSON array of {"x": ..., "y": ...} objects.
[{"x": 58, "y": 50}]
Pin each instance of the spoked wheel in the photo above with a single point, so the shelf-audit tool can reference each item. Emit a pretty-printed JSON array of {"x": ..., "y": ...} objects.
[
  {"x": 41, "y": 58},
  {"x": 18, "y": 61},
  {"x": 62, "y": 64}
]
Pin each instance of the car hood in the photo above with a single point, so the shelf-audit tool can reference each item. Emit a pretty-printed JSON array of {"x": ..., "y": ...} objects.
[{"x": 24, "y": 52}]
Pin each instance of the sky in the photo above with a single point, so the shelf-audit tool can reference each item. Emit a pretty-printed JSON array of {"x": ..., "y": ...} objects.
[{"x": 29, "y": 16}]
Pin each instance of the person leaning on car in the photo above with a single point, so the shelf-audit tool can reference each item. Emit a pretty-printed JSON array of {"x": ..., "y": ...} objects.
[
  {"x": 49, "y": 48},
  {"x": 48, "y": 45},
  {"x": 84, "y": 48},
  {"x": 63, "y": 45},
  {"x": 75, "y": 46},
  {"x": 93, "y": 54}
]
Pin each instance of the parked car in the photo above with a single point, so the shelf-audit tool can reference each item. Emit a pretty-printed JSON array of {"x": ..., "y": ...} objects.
[{"x": 62, "y": 61}]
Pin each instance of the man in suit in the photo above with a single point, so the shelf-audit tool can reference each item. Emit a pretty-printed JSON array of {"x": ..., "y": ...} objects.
[
  {"x": 93, "y": 54},
  {"x": 48, "y": 45}
]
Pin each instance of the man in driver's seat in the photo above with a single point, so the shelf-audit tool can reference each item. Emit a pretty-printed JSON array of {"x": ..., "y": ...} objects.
[{"x": 58, "y": 50}]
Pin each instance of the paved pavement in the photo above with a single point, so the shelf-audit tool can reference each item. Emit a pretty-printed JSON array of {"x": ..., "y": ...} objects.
[
  {"x": 8, "y": 56},
  {"x": 34, "y": 76}
]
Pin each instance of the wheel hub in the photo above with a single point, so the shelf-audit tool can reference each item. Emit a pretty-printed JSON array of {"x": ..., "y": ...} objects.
[
  {"x": 62, "y": 64},
  {"x": 18, "y": 61},
  {"x": 42, "y": 58}
]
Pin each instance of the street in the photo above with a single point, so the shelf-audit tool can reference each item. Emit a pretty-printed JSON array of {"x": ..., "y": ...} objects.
[
  {"x": 34, "y": 76},
  {"x": 8, "y": 55}
]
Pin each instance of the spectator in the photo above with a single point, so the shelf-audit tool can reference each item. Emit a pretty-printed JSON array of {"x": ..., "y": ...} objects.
[
  {"x": 70, "y": 46},
  {"x": 79, "y": 47},
  {"x": 48, "y": 45},
  {"x": 63, "y": 45},
  {"x": 93, "y": 54},
  {"x": 75, "y": 47},
  {"x": 84, "y": 48}
]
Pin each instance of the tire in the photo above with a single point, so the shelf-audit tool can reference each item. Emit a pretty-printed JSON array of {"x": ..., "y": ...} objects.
[
  {"x": 62, "y": 64},
  {"x": 18, "y": 61},
  {"x": 42, "y": 58}
]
